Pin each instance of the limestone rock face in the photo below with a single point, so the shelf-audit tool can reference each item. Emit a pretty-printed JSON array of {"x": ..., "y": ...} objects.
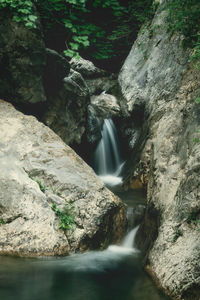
[
  {"x": 22, "y": 60},
  {"x": 38, "y": 169},
  {"x": 105, "y": 105},
  {"x": 153, "y": 70},
  {"x": 86, "y": 68},
  {"x": 158, "y": 76}
]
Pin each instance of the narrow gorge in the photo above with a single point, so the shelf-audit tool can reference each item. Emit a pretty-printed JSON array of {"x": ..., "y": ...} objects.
[{"x": 100, "y": 158}]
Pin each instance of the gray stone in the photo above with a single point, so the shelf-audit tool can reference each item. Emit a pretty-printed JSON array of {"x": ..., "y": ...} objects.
[
  {"x": 97, "y": 80},
  {"x": 157, "y": 74},
  {"x": 31, "y": 152},
  {"x": 86, "y": 68},
  {"x": 153, "y": 70},
  {"x": 105, "y": 105},
  {"x": 99, "y": 85}
]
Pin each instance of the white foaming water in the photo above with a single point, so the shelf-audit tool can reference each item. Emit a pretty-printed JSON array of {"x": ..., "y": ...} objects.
[
  {"x": 127, "y": 245},
  {"x": 111, "y": 180},
  {"x": 98, "y": 261},
  {"x": 107, "y": 156},
  {"x": 128, "y": 241}
]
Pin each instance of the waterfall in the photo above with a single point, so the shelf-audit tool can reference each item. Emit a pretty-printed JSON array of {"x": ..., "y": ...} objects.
[
  {"x": 130, "y": 238},
  {"x": 127, "y": 245},
  {"x": 107, "y": 157}
]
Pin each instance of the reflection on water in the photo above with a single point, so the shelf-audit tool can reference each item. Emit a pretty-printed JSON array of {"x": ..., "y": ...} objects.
[
  {"x": 106, "y": 275},
  {"x": 131, "y": 197}
]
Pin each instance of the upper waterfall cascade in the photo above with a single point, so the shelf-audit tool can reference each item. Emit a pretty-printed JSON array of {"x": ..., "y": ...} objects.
[{"x": 107, "y": 157}]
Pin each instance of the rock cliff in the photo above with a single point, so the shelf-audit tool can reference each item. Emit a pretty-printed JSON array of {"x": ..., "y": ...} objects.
[
  {"x": 38, "y": 170},
  {"x": 158, "y": 78}
]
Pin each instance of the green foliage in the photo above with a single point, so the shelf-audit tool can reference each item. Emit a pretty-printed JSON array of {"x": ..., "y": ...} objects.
[
  {"x": 41, "y": 186},
  {"x": 102, "y": 28},
  {"x": 66, "y": 216},
  {"x": 2, "y": 221},
  {"x": 55, "y": 191},
  {"x": 193, "y": 217},
  {"x": 177, "y": 234},
  {"x": 184, "y": 18},
  {"x": 22, "y": 11},
  {"x": 196, "y": 140},
  {"x": 197, "y": 100}
]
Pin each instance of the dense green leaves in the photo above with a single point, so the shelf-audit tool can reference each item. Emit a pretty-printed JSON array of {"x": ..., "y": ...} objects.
[
  {"x": 184, "y": 16},
  {"x": 66, "y": 216},
  {"x": 2, "y": 221},
  {"x": 98, "y": 28},
  {"x": 23, "y": 11}
]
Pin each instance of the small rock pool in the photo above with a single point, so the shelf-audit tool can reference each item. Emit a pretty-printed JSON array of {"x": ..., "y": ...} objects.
[{"x": 112, "y": 274}]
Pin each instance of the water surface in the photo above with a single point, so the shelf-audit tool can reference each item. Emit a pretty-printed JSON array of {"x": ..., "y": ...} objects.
[{"x": 106, "y": 275}]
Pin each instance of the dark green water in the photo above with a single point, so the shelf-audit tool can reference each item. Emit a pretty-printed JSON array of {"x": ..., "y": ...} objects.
[
  {"x": 91, "y": 276},
  {"x": 112, "y": 274}
]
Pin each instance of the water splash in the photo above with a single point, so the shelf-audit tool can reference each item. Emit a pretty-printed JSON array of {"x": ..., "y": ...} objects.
[
  {"x": 127, "y": 245},
  {"x": 128, "y": 241},
  {"x": 98, "y": 261},
  {"x": 107, "y": 157}
]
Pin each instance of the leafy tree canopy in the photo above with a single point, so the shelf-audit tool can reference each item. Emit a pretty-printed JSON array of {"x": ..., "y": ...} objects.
[{"x": 99, "y": 29}]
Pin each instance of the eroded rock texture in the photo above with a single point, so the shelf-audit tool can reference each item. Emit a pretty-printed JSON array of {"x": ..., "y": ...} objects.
[
  {"x": 158, "y": 76},
  {"x": 37, "y": 170}
]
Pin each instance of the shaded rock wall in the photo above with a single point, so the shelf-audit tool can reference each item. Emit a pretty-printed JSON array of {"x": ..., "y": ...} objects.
[
  {"x": 22, "y": 61},
  {"x": 67, "y": 110},
  {"x": 38, "y": 82},
  {"x": 157, "y": 74}
]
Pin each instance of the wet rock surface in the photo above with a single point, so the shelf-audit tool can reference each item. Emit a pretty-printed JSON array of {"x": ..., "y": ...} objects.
[{"x": 37, "y": 170}]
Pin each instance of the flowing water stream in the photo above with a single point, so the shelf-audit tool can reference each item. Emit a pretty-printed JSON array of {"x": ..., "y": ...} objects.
[
  {"x": 107, "y": 157},
  {"x": 112, "y": 274}
]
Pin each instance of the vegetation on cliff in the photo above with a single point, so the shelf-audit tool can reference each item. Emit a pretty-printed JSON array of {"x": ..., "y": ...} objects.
[
  {"x": 102, "y": 30},
  {"x": 184, "y": 18}
]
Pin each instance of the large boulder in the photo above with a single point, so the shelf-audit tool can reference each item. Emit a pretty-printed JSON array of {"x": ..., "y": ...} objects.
[
  {"x": 86, "y": 68},
  {"x": 97, "y": 80},
  {"x": 105, "y": 105},
  {"x": 158, "y": 76},
  {"x": 22, "y": 61},
  {"x": 39, "y": 172}
]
